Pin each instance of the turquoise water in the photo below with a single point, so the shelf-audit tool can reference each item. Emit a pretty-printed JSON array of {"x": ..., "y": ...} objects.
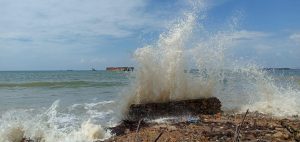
[{"x": 35, "y": 89}]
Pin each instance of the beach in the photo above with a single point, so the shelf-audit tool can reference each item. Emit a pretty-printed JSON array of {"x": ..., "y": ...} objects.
[
  {"x": 201, "y": 120},
  {"x": 220, "y": 127}
]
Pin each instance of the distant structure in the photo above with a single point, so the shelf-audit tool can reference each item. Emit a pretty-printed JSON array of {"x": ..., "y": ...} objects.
[
  {"x": 93, "y": 69},
  {"x": 120, "y": 68}
]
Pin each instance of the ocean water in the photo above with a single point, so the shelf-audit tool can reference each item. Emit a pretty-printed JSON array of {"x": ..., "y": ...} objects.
[
  {"x": 38, "y": 89},
  {"x": 58, "y": 105},
  {"x": 77, "y": 105}
]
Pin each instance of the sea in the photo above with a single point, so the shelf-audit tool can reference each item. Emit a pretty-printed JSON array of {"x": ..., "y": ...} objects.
[
  {"x": 55, "y": 105},
  {"x": 74, "y": 105},
  {"x": 39, "y": 89}
]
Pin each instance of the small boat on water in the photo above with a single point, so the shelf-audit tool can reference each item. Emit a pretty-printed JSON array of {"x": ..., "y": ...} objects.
[{"x": 93, "y": 69}]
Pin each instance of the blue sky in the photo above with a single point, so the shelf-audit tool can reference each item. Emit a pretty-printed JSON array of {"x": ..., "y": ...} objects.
[{"x": 81, "y": 34}]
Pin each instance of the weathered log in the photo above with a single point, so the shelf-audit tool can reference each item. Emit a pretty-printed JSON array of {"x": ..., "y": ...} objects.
[
  {"x": 207, "y": 106},
  {"x": 138, "y": 112}
]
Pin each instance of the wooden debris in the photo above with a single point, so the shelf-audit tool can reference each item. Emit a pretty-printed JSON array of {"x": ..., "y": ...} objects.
[
  {"x": 157, "y": 138},
  {"x": 137, "y": 130},
  {"x": 194, "y": 107},
  {"x": 293, "y": 127},
  {"x": 238, "y": 128},
  {"x": 254, "y": 127}
]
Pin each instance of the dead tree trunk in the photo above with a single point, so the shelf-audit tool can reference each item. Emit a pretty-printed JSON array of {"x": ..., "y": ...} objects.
[{"x": 193, "y": 107}]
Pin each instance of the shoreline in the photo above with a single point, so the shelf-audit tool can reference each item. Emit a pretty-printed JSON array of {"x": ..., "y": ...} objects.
[{"x": 219, "y": 127}]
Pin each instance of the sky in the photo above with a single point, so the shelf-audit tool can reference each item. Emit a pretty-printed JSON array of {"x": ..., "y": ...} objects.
[{"x": 85, "y": 34}]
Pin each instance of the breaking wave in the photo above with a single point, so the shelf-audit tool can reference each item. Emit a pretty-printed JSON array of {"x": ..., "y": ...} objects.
[
  {"x": 163, "y": 72},
  {"x": 55, "y": 125}
]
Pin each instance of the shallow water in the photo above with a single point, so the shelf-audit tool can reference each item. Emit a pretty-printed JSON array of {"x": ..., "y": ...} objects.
[
  {"x": 37, "y": 89},
  {"x": 58, "y": 105}
]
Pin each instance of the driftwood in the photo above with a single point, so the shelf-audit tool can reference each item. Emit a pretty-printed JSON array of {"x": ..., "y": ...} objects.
[
  {"x": 238, "y": 127},
  {"x": 157, "y": 138},
  {"x": 208, "y": 106},
  {"x": 138, "y": 112},
  {"x": 137, "y": 130}
]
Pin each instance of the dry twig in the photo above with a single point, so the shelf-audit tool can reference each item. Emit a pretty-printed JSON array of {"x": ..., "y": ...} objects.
[
  {"x": 158, "y": 136},
  {"x": 238, "y": 127},
  {"x": 137, "y": 130}
]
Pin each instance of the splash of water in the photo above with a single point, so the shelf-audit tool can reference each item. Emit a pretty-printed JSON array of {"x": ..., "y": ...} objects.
[
  {"x": 162, "y": 73},
  {"x": 49, "y": 126}
]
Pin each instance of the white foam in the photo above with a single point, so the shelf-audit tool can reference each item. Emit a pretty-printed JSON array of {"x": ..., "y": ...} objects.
[{"x": 51, "y": 125}]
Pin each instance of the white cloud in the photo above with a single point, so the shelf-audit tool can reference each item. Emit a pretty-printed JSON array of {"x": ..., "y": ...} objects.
[
  {"x": 295, "y": 37},
  {"x": 40, "y": 19},
  {"x": 56, "y": 34}
]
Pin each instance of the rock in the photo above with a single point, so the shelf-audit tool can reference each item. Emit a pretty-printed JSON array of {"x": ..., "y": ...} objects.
[
  {"x": 126, "y": 126},
  {"x": 279, "y": 129},
  {"x": 171, "y": 128},
  {"x": 281, "y": 135},
  {"x": 268, "y": 135},
  {"x": 127, "y": 131},
  {"x": 193, "y": 107},
  {"x": 297, "y": 137},
  {"x": 278, "y": 135}
]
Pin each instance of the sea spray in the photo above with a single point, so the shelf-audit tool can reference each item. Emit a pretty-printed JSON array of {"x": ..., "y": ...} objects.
[
  {"x": 163, "y": 71},
  {"x": 50, "y": 125},
  {"x": 161, "y": 66}
]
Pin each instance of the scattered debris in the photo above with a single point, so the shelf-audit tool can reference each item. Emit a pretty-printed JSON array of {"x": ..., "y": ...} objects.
[
  {"x": 158, "y": 136},
  {"x": 137, "y": 130},
  {"x": 238, "y": 128},
  {"x": 127, "y": 125},
  {"x": 219, "y": 127}
]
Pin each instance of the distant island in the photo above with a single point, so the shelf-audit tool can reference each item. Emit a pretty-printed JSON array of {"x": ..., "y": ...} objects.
[
  {"x": 120, "y": 68},
  {"x": 276, "y": 68}
]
